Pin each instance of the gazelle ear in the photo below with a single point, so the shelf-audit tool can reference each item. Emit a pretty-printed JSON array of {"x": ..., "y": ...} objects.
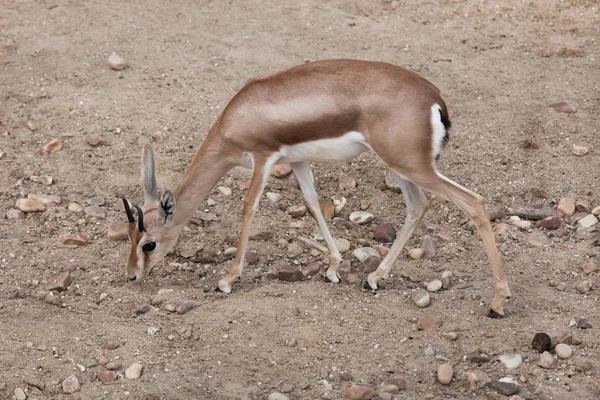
[
  {"x": 148, "y": 176},
  {"x": 166, "y": 210}
]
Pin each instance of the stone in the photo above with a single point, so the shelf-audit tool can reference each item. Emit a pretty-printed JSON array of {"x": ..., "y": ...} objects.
[
  {"x": 583, "y": 365},
  {"x": 392, "y": 183},
  {"x": 428, "y": 324},
  {"x": 428, "y": 246},
  {"x": 119, "y": 231},
  {"x": 20, "y": 394},
  {"x": 434, "y": 285},
  {"x": 229, "y": 253},
  {"x": 112, "y": 344},
  {"x": 294, "y": 250},
  {"x": 186, "y": 306},
  {"x": 225, "y": 191},
  {"x": 251, "y": 258},
  {"x": 363, "y": 253},
  {"x": 277, "y": 396},
  {"x": 360, "y": 392},
  {"x": 398, "y": 382},
  {"x": 538, "y": 239},
  {"x": 451, "y": 336},
  {"x": 265, "y": 235},
  {"x": 13, "y": 213},
  {"x": 588, "y": 221},
  {"x": 596, "y": 211},
  {"x": 45, "y": 179},
  {"x": 496, "y": 212},
  {"x": 60, "y": 282},
  {"x": 206, "y": 216},
  {"x": 96, "y": 200},
  {"x": 471, "y": 383},
  {"x": 296, "y": 211},
  {"x": 93, "y": 140},
  {"x": 445, "y": 373},
  {"x": 566, "y": 206},
  {"x": 53, "y": 146},
  {"x": 45, "y": 199},
  {"x": 511, "y": 361},
  {"x": 70, "y": 385},
  {"x": 429, "y": 350},
  {"x": 281, "y": 170},
  {"x": 102, "y": 360},
  {"x": 477, "y": 357},
  {"x": 313, "y": 244},
  {"x": 584, "y": 287},
  {"x": 361, "y": 217},
  {"x": 584, "y": 207},
  {"x": 563, "y": 350},
  {"x": 547, "y": 361},
  {"x": 29, "y": 205},
  {"x": 563, "y": 107},
  {"x": 95, "y": 211},
  {"x": 550, "y": 223},
  {"x": 346, "y": 182},
  {"x": 541, "y": 342},
  {"x": 134, "y": 371},
  {"x": 504, "y": 388},
  {"x": 338, "y": 205},
  {"x": 342, "y": 245},
  {"x": 116, "y": 62},
  {"x": 274, "y": 197},
  {"x": 382, "y": 250},
  {"x": 416, "y": 254},
  {"x": 534, "y": 214},
  {"x": 421, "y": 298},
  {"x": 385, "y": 233},
  {"x": 583, "y": 324},
  {"x": 74, "y": 207},
  {"x": 32, "y": 126},
  {"x": 519, "y": 223},
  {"x": 106, "y": 377},
  {"x": 579, "y": 150},
  {"x": 76, "y": 239},
  {"x": 327, "y": 208},
  {"x": 588, "y": 268},
  {"x": 290, "y": 276},
  {"x": 312, "y": 269}
]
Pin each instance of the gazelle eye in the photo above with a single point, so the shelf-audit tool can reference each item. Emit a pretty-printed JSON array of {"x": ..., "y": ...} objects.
[{"x": 147, "y": 247}]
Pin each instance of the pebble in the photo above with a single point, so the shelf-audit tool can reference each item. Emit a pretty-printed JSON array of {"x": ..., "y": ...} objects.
[
  {"x": 45, "y": 199},
  {"x": 511, "y": 361},
  {"x": 398, "y": 382},
  {"x": 429, "y": 350},
  {"x": 451, "y": 336},
  {"x": 478, "y": 357},
  {"x": 583, "y": 324},
  {"x": 29, "y": 205},
  {"x": 421, "y": 298},
  {"x": 382, "y": 250},
  {"x": 588, "y": 221},
  {"x": 327, "y": 208},
  {"x": 445, "y": 373},
  {"x": 274, "y": 197},
  {"x": 342, "y": 245},
  {"x": 95, "y": 211},
  {"x": 45, "y": 179},
  {"x": 566, "y": 206},
  {"x": 584, "y": 207},
  {"x": 550, "y": 223},
  {"x": 281, "y": 170},
  {"x": 385, "y": 233},
  {"x": 519, "y": 223},
  {"x": 74, "y": 240},
  {"x": 547, "y": 361},
  {"x": 338, "y": 205},
  {"x": 416, "y": 254},
  {"x": 584, "y": 287},
  {"x": 102, "y": 360},
  {"x": 13, "y": 213},
  {"x": 32, "y": 126},
  {"x": 363, "y": 253},
  {"x": 361, "y": 217},
  {"x": 229, "y": 253},
  {"x": 534, "y": 214},
  {"x": 251, "y": 258},
  {"x": 579, "y": 150},
  {"x": 428, "y": 324},
  {"x": 296, "y": 211},
  {"x": 119, "y": 231},
  {"x": 53, "y": 146},
  {"x": 563, "y": 107},
  {"x": 20, "y": 394},
  {"x": 134, "y": 371},
  {"x": 93, "y": 140},
  {"x": 206, "y": 216},
  {"x": 60, "y": 282},
  {"x": 588, "y": 268},
  {"x": 346, "y": 182},
  {"x": 538, "y": 239},
  {"x": 434, "y": 285},
  {"x": 74, "y": 207},
  {"x": 472, "y": 380},
  {"x": 596, "y": 211},
  {"x": 504, "y": 388},
  {"x": 312, "y": 269},
  {"x": 225, "y": 191},
  {"x": 563, "y": 350},
  {"x": 360, "y": 392},
  {"x": 277, "y": 396},
  {"x": 112, "y": 344},
  {"x": 106, "y": 377},
  {"x": 541, "y": 342},
  {"x": 70, "y": 385},
  {"x": 392, "y": 183},
  {"x": 152, "y": 330},
  {"x": 428, "y": 247},
  {"x": 116, "y": 62},
  {"x": 294, "y": 250},
  {"x": 290, "y": 276},
  {"x": 186, "y": 306}
]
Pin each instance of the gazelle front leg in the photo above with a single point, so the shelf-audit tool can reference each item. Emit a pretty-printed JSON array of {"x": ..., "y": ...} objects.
[
  {"x": 261, "y": 170},
  {"x": 302, "y": 172}
]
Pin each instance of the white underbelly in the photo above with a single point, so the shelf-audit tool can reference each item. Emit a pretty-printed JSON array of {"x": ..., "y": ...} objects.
[{"x": 334, "y": 149}]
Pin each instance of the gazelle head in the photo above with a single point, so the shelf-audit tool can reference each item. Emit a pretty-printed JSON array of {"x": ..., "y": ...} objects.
[{"x": 153, "y": 235}]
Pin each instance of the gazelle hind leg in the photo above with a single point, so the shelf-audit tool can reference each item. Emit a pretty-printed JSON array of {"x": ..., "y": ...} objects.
[
  {"x": 416, "y": 206},
  {"x": 302, "y": 172},
  {"x": 261, "y": 170}
]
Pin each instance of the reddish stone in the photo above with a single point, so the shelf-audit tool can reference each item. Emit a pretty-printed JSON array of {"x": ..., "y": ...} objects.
[{"x": 60, "y": 282}]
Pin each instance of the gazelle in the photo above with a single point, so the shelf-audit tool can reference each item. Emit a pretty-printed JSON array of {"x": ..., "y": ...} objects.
[{"x": 320, "y": 111}]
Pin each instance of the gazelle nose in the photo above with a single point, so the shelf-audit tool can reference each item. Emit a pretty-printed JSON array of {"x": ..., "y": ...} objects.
[{"x": 132, "y": 278}]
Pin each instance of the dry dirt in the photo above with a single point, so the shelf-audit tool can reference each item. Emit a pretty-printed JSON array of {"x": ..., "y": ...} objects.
[{"x": 498, "y": 64}]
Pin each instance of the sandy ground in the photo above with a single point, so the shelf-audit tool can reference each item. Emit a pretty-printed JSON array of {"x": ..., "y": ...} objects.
[{"x": 498, "y": 64}]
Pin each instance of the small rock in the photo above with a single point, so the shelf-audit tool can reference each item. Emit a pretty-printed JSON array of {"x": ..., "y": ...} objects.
[
  {"x": 294, "y": 250},
  {"x": 29, "y": 205},
  {"x": 205, "y": 216},
  {"x": 579, "y": 150},
  {"x": 360, "y": 392},
  {"x": 588, "y": 221},
  {"x": 583, "y": 324},
  {"x": 478, "y": 357},
  {"x": 251, "y": 258},
  {"x": 118, "y": 231},
  {"x": 541, "y": 342},
  {"x": 313, "y": 268},
  {"x": 346, "y": 182},
  {"x": 53, "y": 146},
  {"x": 428, "y": 247},
  {"x": 421, "y": 298},
  {"x": 385, "y": 233},
  {"x": 277, "y": 396},
  {"x": 281, "y": 170},
  {"x": 504, "y": 388},
  {"x": 225, "y": 191},
  {"x": 229, "y": 253},
  {"x": 327, "y": 208},
  {"x": 45, "y": 199},
  {"x": 584, "y": 286},
  {"x": 434, "y": 285},
  {"x": 112, "y": 344},
  {"x": 547, "y": 361},
  {"x": 116, "y": 62},
  {"x": 471, "y": 384},
  {"x": 566, "y": 206},
  {"x": 338, "y": 205},
  {"x": 95, "y": 211},
  {"x": 563, "y": 350},
  {"x": 93, "y": 140},
  {"x": 296, "y": 211},
  {"x": 74, "y": 207},
  {"x": 70, "y": 385},
  {"x": 106, "y": 377},
  {"x": 290, "y": 276},
  {"x": 134, "y": 371},
  {"x": 563, "y": 107},
  {"x": 534, "y": 214},
  {"x": 398, "y": 382},
  {"x": 45, "y": 179},
  {"x": 20, "y": 394},
  {"x": 363, "y": 253},
  {"x": 519, "y": 223},
  {"x": 550, "y": 223},
  {"x": 13, "y": 213},
  {"x": 416, "y": 254},
  {"x": 185, "y": 307},
  {"x": 588, "y": 268},
  {"x": 392, "y": 183},
  {"x": 361, "y": 217},
  {"x": 583, "y": 365},
  {"x": 342, "y": 245},
  {"x": 445, "y": 373},
  {"x": 265, "y": 235},
  {"x": 511, "y": 361},
  {"x": 428, "y": 324},
  {"x": 538, "y": 239},
  {"x": 60, "y": 282},
  {"x": 429, "y": 350},
  {"x": 74, "y": 240},
  {"x": 102, "y": 360},
  {"x": 584, "y": 207},
  {"x": 274, "y": 197},
  {"x": 451, "y": 336},
  {"x": 32, "y": 126}
]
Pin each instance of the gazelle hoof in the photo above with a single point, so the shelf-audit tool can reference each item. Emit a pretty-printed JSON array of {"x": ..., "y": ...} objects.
[
  {"x": 494, "y": 314},
  {"x": 333, "y": 277},
  {"x": 224, "y": 286}
]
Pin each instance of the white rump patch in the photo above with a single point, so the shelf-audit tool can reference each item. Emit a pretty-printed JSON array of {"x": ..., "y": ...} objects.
[
  {"x": 439, "y": 131},
  {"x": 333, "y": 149}
]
